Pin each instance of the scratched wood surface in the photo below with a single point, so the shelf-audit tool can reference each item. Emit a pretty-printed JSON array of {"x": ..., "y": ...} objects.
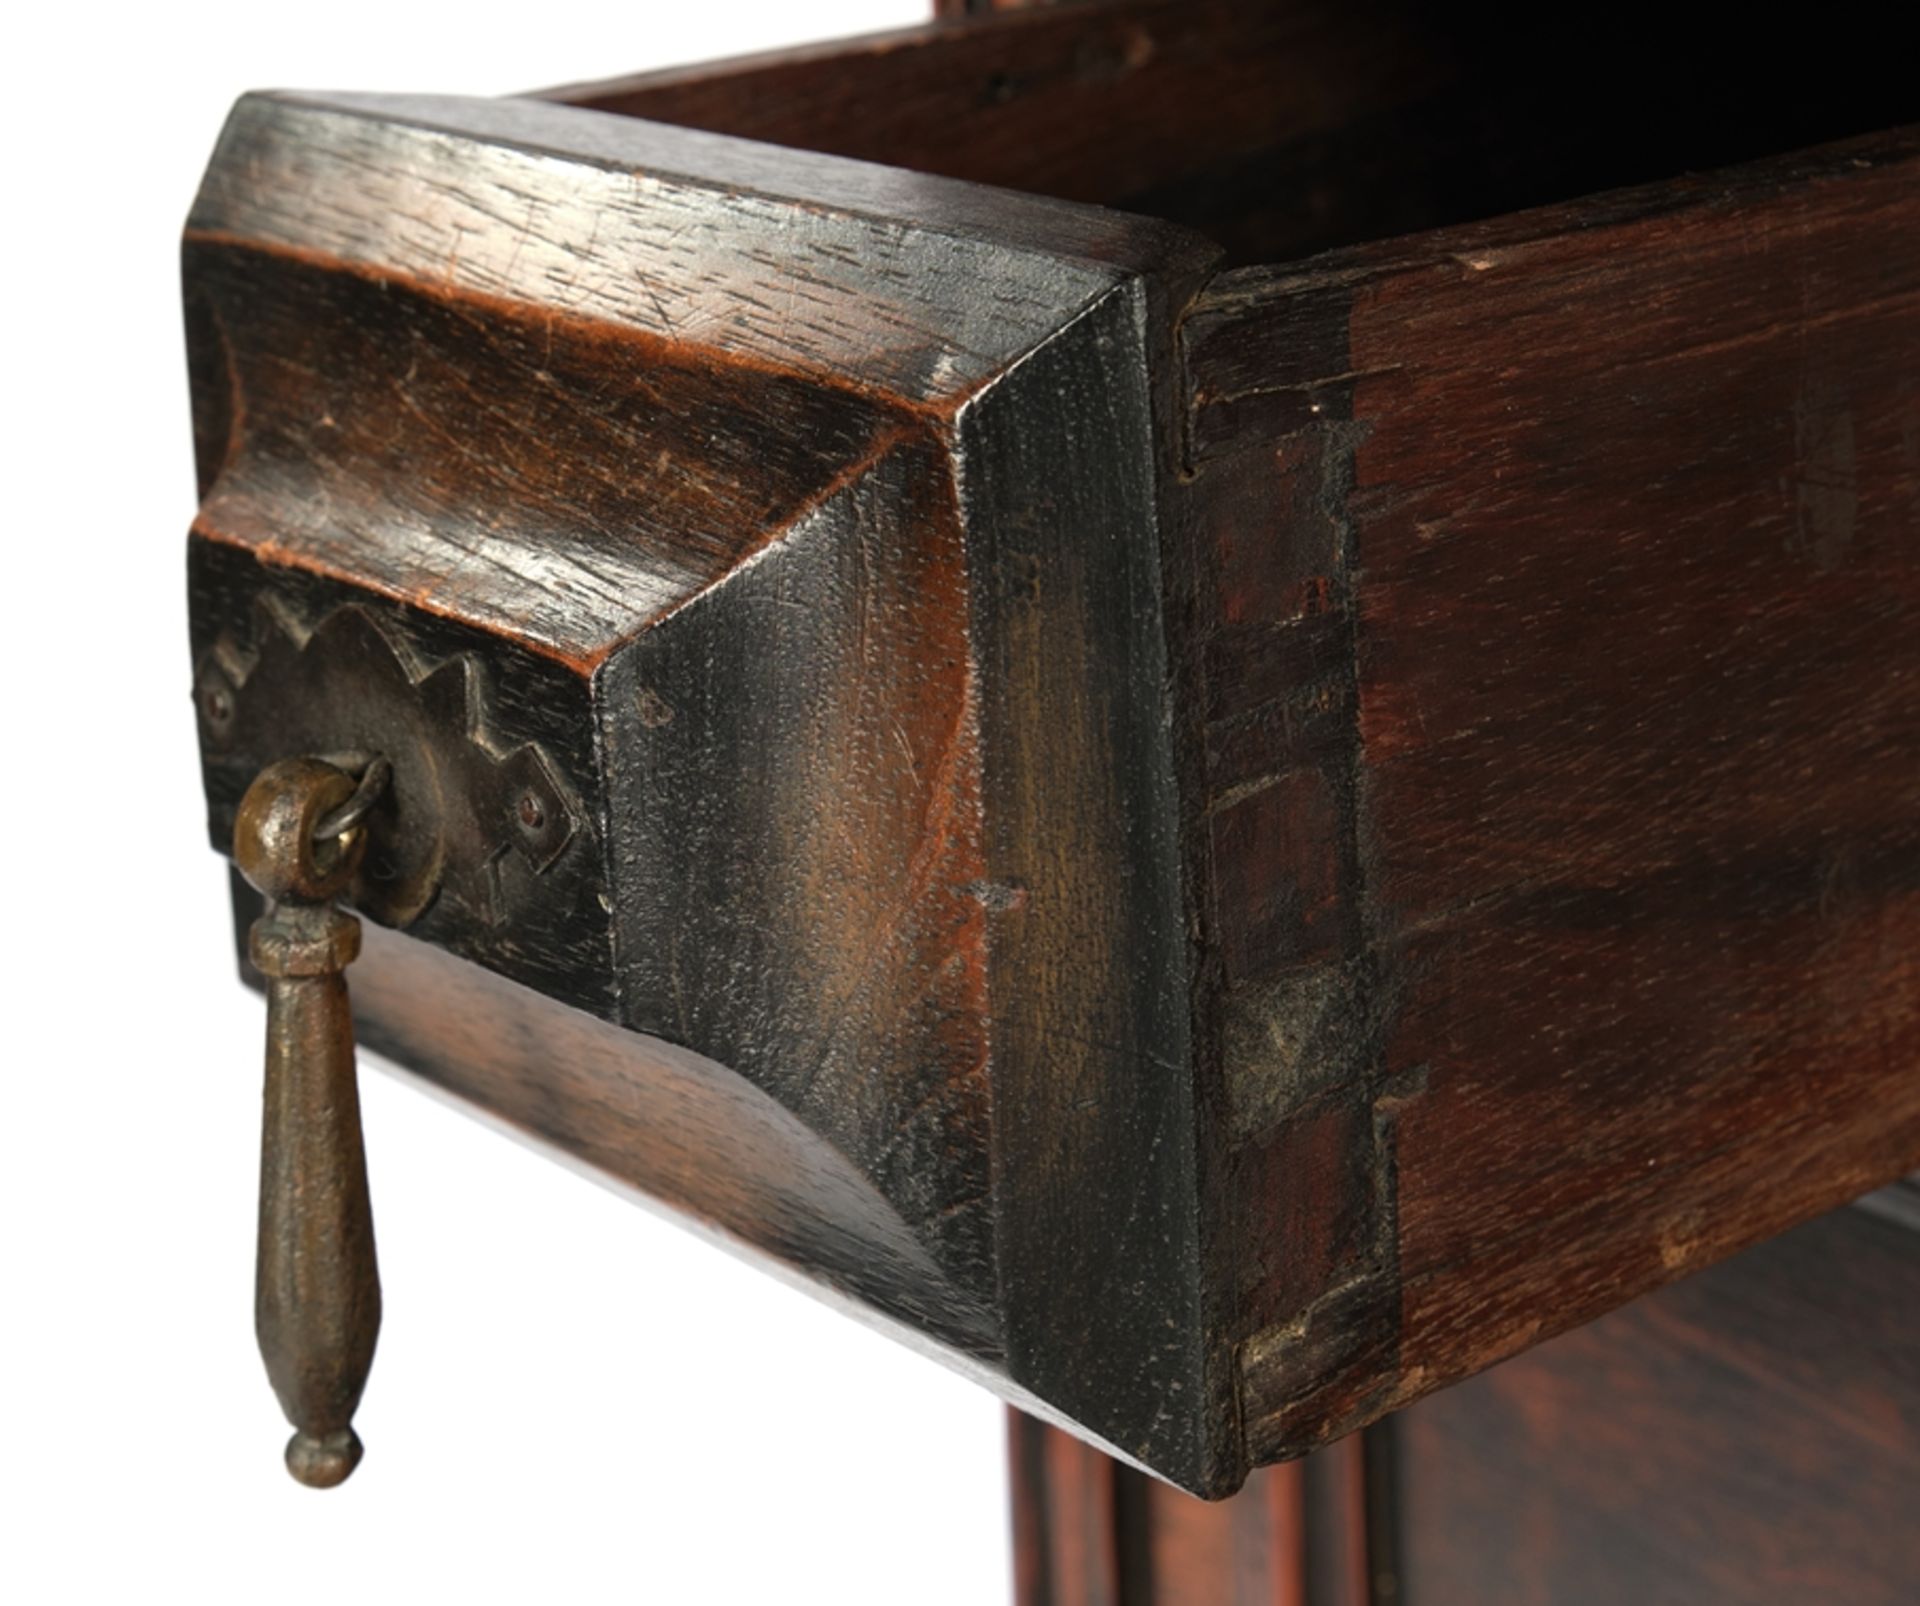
[
  {"x": 1284, "y": 127},
  {"x": 803, "y": 514},
  {"x": 1563, "y": 746},
  {"x": 1091, "y": 103},
  {"x": 666, "y": 1121},
  {"x": 1226, "y": 848},
  {"x": 1746, "y": 1436}
]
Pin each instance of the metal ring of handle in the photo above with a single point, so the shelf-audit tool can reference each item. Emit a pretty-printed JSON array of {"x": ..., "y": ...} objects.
[{"x": 375, "y": 774}]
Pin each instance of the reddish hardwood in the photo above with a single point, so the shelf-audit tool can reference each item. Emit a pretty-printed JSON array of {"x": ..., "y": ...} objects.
[
  {"x": 1281, "y": 127},
  {"x": 1250, "y": 850},
  {"x": 1563, "y": 693},
  {"x": 1082, "y": 102},
  {"x": 1749, "y": 1436},
  {"x": 1089, "y": 1531}
]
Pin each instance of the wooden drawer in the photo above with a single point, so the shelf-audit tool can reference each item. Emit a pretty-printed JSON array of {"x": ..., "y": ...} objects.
[
  {"x": 1225, "y": 817},
  {"x": 1747, "y": 1436}
]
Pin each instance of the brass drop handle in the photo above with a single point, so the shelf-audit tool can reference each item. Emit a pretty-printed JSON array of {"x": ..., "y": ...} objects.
[{"x": 299, "y": 838}]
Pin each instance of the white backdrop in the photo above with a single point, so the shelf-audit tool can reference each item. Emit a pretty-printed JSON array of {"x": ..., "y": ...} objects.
[{"x": 574, "y": 1400}]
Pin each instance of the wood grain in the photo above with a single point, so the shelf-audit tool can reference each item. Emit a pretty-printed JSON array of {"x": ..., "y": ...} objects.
[
  {"x": 1089, "y": 1531},
  {"x": 403, "y": 432},
  {"x": 1091, "y": 91},
  {"x": 666, "y": 1121},
  {"x": 1089, "y": 959},
  {"x": 1284, "y": 127},
  {"x": 1748, "y": 1436},
  {"x": 1235, "y": 847},
  {"x": 806, "y": 516},
  {"x": 1565, "y": 716}
]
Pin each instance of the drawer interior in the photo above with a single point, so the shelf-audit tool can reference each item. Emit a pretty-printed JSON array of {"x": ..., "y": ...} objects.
[{"x": 1286, "y": 129}]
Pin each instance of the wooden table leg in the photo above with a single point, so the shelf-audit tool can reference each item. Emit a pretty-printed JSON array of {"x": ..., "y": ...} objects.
[{"x": 1091, "y": 1531}]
